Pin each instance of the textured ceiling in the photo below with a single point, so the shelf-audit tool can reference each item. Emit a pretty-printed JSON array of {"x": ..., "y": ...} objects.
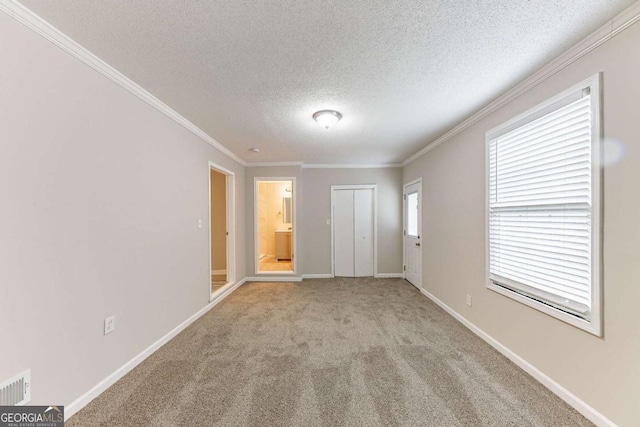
[{"x": 251, "y": 73}]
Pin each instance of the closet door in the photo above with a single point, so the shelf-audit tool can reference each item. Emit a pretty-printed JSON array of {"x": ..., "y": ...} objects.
[
  {"x": 343, "y": 227},
  {"x": 363, "y": 235}
]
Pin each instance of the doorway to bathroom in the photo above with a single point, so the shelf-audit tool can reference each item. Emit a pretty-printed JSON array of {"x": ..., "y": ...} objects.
[
  {"x": 275, "y": 225},
  {"x": 221, "y": 230}
]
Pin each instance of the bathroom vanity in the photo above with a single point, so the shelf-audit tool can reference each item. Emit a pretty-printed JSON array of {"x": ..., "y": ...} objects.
[{"x": 283, "y": 244}]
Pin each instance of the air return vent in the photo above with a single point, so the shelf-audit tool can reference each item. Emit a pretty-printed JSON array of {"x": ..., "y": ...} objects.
[{"x": 16, "y": 391}]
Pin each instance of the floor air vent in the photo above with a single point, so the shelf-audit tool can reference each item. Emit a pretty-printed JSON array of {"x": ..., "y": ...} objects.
[{"x": 16, "y": 391}]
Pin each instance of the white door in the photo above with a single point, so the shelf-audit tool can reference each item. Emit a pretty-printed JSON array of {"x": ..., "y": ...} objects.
[
  {"x": 412, "y": 232},
  {"x": 343, "y": 231},
  {"x": 363, "y": 236},
  {"x": 353, "y": 232}
]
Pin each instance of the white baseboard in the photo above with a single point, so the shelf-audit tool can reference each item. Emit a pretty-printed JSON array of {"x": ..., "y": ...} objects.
[
  {"x": 226, "y": 290},
  {"x": 389, "y": 276},
  {"x": 317, "y": 276},
  {"x": 85, "y": 399},
  {"x": 218, "y": 272},
  {"x": 275, "y": 279},
  {"x": 574, "y": 401}
]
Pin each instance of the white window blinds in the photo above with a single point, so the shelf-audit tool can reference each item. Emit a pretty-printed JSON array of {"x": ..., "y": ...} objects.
[{"x": 540, "y": 206}]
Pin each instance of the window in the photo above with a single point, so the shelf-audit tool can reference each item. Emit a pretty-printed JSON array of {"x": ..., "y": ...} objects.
[
  {"x": 412, "y": 214},
  {"x": 544, "y": 207}
]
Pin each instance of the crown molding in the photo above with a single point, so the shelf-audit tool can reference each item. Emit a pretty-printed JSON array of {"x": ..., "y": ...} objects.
[
  {"x": 351, "y": 166},
  {"x": 325, "y": 166},
  {"x": 272, "y": 164},
  {"x": 622, "y": 21},
  {"x": 32, "y": 21}
]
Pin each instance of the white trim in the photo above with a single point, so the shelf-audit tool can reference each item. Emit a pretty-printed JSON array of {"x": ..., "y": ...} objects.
[
  {"x": 548, "y": 310},
  {"x": 618, "y": 24},
  {"x": 231, "y": 224},
  {"x": 224, "y": 291},
  {"x": 415, "y": 181},
  {"x": 55, "y": 36},
  {"x": 317, "y": 276},
  {"x": 99, "y": 388},
  {"x": 271, "y": 164},
  {"x": 595, "y": 325},
  {"x": 351, "y": 166},
  {"x": 574, "y": 401},
  {"x": 354, "y": 187},
  {"x": 389, "y": 276},
  {"x": 32, "y": 21},
  {"x": 275, "y": 279},
  {"x": 294, "y": 226},
  {"x": 373, "y": 187},
  {"x": 216, "y": 272},
  {"x": 325, "y": 165}
]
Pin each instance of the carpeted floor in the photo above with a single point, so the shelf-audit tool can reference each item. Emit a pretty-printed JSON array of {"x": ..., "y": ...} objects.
[{"x": 335, "y": 352}]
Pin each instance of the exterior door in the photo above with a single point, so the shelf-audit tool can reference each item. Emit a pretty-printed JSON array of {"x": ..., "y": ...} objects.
[{"x": 412, "y": 233}]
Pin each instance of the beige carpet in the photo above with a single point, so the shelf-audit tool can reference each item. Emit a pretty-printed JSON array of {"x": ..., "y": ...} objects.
[{"x": 337, "y": 352}]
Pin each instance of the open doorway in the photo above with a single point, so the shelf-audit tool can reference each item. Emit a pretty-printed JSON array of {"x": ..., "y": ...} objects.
[
  {"x": 221, "y": 229},
  {"x": 275, "y": 229}
]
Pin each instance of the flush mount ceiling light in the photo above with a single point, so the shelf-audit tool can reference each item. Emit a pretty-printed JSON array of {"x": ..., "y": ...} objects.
[
  {"x": 254, "y": 150},
  {"x": 327, "y": 118}
]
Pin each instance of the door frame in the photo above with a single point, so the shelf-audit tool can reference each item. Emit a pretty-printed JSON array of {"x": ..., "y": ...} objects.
[
  {"x": 230, "y": 224},
  {"x": 373, "y": 187},
  {"x": 404, "y": 227},
  {"x": 294, "y": 233}
]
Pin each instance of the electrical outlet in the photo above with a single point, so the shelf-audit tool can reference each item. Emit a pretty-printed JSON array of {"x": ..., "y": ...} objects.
[
  {"x": 469, "y": 300},
  {"x": 328, "y": 222},
  {"x": 109, "y": 324},
  {"x": 199, "y": 223}
]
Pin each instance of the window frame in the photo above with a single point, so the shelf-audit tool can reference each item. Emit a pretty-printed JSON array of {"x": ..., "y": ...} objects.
[{"x": 595, "y": 325}]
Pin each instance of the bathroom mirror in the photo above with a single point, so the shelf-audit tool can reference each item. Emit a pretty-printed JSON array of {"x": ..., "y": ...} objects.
[{"x": 286, "y": 210}]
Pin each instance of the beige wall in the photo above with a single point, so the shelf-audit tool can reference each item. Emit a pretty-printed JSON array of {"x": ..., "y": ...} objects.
[
  {"x": 218, "y": 221},
  {"x": 603, "y": 372},
  {"x": 100, "y": 195},
  {"x": 315, "y": 210}
]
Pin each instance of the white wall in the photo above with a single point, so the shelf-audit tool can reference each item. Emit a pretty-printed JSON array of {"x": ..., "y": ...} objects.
[
  {"x": 315, "y": 209},
  {"x": 100, "y": 198},
  {"x": 603, "y": 372}
]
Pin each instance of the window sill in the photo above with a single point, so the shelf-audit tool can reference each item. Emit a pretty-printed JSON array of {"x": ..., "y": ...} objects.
[{"x": 592, "y": 327}]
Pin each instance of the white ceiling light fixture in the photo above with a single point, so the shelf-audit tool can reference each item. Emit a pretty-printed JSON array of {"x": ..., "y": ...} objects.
[{"x": 327, "y": 118}]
